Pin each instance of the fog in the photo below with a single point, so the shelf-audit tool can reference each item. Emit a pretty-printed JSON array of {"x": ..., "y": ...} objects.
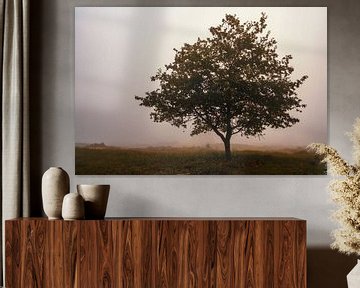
[{"x": 118, "y": 49}]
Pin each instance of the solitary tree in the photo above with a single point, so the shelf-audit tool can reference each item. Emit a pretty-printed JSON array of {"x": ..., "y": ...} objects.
[{"x": 231, "y": 83}]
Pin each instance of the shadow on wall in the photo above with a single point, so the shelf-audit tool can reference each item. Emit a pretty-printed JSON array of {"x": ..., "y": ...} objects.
[
  {"x": 37, "y": 12},
  {"x": 328, "y": 268}
]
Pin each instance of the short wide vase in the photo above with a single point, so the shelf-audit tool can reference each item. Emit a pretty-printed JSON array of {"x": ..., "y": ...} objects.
[{"x": 96, "y": 198}]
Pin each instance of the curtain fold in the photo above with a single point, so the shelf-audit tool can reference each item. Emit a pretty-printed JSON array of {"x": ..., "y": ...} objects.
[{"x": 15, "y": 111}]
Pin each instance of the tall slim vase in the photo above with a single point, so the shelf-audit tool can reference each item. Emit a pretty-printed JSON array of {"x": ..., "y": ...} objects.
[
  {"x": 55, "y": 185},
  {"x": 353, "y": 278}
]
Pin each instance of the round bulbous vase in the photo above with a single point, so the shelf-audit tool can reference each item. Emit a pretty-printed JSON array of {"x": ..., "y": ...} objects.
[
  {"x": 55, "y": 185},
  {"x": 73, "y": 207},
  {"x": 96, "y": 198},
  {"x": 353, "y": 278}
]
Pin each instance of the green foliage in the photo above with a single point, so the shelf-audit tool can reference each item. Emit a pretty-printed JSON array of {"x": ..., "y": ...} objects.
[
  {"x": 231, "y": 83},
  {"x": 194, "y": 161}
]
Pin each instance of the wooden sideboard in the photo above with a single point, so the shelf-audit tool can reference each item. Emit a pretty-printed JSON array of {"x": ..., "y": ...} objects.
[{"x": 156, "y": 252}]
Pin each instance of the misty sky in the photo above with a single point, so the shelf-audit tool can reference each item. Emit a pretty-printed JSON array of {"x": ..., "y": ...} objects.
[{"x": 118, "y": 49}]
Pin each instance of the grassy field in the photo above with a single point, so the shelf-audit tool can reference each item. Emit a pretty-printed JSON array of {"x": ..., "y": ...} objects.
[{"x": 193, "y": 161}]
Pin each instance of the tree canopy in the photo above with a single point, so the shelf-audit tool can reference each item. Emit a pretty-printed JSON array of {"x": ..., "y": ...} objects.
[{"x": 232, "y": 82}]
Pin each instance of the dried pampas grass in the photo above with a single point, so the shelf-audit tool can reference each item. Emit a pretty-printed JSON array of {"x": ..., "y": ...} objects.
[{"x": 345, "y": 191}]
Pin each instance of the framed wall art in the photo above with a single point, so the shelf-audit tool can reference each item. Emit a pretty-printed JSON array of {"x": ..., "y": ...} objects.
[{"x": 200, "y": 90}]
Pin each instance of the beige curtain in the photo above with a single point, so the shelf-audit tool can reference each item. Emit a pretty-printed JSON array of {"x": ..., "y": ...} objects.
[{"x": 14, "y": 27}]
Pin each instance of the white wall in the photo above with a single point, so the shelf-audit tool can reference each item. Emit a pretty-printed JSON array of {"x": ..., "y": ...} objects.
[{"x": 297, "y": 196}]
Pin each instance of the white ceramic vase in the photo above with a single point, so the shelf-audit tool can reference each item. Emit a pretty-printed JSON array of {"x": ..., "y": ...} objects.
[
  {"x": 55, "y": 185},
  {"x": 96, "y": 198},
  {"x": 353, "y": 278},
  {"x": 73, "y": 207}
]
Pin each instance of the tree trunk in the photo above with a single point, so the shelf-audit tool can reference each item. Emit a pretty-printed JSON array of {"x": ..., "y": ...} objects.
[{"x": 227, "y": 149}]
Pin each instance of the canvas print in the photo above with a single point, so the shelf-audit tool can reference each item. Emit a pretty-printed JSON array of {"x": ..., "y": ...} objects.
[{"x": 200, "y": 90}]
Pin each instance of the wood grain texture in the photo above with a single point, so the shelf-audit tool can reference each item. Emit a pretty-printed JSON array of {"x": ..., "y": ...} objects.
[
  {"x": 70, "y": 246},
  {"x": 55, "y": 268},
  {"x": 157, "y": 253}
]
